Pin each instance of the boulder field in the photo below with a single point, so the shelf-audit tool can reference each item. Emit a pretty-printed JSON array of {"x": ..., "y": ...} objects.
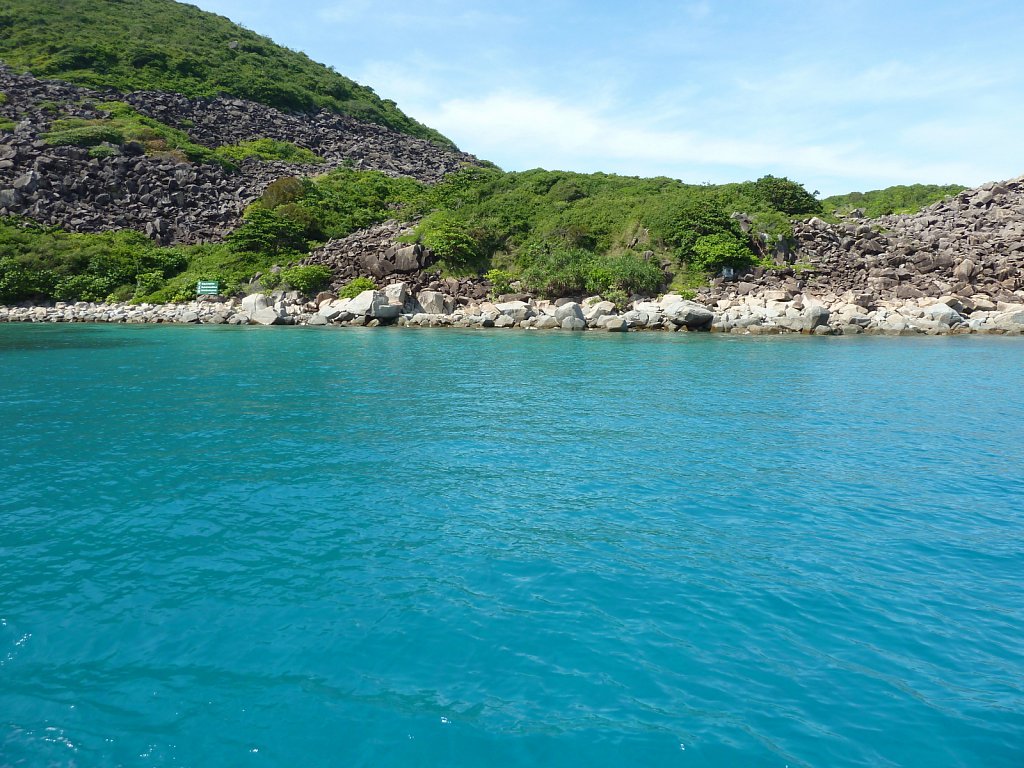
[
  {"x": 169, "y": 198},
  {"x": 397, "y": 305}
]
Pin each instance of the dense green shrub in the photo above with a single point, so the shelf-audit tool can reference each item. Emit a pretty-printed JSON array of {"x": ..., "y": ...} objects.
[
  {"x": 307, "y": 279},
  {"x": 287, "y": 189},
  {"x": 147, "y": 283},
  {"x": 785, "y": 196},
  {"x": 101, "y": 151},
  {"x": 267, "y": 232},
  {"x": 84, "y": 136},
  {"x": 124, "y": 124},
  {"x": 712, "y": 252},
  {"x": 451, "y": 240},
  {"x": 354, "y": 287},
  {"x": 268, "y": 149},
  {"x": 500, "y": 280}
]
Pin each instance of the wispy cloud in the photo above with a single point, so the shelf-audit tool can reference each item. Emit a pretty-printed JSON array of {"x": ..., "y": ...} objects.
[
  {"x": 423, "y": 18},
  {"x": 524, "y": 130}
]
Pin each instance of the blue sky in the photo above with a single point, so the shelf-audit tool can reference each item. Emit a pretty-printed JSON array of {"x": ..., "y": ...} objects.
[{"x": 841, "y": 96}]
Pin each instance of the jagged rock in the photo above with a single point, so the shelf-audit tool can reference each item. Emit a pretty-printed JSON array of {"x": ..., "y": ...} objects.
[
  {"x": 397, "y": 293},
  {"x": 432, "y": 302}
]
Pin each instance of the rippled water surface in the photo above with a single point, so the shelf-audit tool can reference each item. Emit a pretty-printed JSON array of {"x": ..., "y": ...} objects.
[{"x": 277, "y": 547}]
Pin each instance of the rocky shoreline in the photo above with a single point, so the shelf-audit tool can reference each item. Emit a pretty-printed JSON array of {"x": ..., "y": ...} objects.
[{"x": 771, "y": 312}]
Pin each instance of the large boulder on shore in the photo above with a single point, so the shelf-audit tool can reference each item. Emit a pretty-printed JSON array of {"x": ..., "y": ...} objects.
[
  {"x": 680, "y": 311},
  {"x": 373, "y": 304},
  {"x": 253, "y": 303},
  {"x": 517, "y": 310},
  {"x": 570, "y": 309},
  {"x": 943, "y": 314},
  {"x": 434, "y": 302},
  {"x": 267, "y": 316}
]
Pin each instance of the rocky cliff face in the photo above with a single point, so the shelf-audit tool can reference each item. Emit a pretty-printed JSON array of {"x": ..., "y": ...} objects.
[
  {"x": 378, "y": 252},
  {"x": 174, "y": 201},
  {"x": 970, "y": 246}
]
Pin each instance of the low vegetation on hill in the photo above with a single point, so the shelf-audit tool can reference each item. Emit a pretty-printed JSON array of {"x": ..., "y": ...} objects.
[
  {"x": 161, "y": 45},
  {"x": 123, "y": 124},
  {"x": 556, "y": 233},
  {"x": 898, "y": 199}
]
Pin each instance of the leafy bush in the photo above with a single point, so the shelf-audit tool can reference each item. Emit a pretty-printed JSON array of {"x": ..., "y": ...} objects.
[
  {"x": 266, "y": 232},
  {"x": 102, "y": 150},
  {"x": 449, "y": 238},
  {"x": 82, "y": 288},
  {"x": 147, "y": 283},
  {"x": 500, "y": 280},
  {"x": 712, "y": 252},
  {"x": 354, "y": 287},
  {"x": 268, "y": 149},
  {"x": 126, "y": 124},
  {"x": 307, "y": 279},
  {"x": 84, "y": 136},
  {"x": 287, "y": 189},
  {"x": 785, "y": 196}
]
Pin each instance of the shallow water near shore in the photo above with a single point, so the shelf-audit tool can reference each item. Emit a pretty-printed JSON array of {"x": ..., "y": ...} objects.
[{"x": 387, "y": 547}]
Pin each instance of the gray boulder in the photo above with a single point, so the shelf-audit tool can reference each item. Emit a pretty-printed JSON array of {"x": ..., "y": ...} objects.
[
  {"x": 433, "y": 302},
  {"x": 253, "y": 303},
  {"x": 517, "y": 310},
  {"x": 546, "y": 322},
  {"x": 689, "y": 313},
  {"x": 397, "y": 293},
  {"x": 570, "y": 310},
  {"x": 267, "y": 316},
  {"x": 815, "y": 315},
  {"x": 943, "y": 314}
]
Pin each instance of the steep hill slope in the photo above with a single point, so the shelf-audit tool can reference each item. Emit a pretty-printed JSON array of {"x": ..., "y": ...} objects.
[
  {"x": 174, "y": 171},
  {"x": 161, "y": 45}
]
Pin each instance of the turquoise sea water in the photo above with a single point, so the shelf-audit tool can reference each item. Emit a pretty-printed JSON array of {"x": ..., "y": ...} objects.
[{"x": 277, "y": 547}]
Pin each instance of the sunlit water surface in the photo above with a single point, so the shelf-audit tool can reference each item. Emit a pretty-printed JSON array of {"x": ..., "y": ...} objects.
[{"x": 277, "y": 547}]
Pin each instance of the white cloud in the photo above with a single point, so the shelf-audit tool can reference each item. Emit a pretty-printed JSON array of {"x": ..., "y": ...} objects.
[
  {"x": 383, "y": 16},
  {"x": 520, "y": 130}
]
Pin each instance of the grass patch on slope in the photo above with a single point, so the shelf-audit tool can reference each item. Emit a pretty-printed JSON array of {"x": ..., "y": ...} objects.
[{"x": 162, "y": 45}]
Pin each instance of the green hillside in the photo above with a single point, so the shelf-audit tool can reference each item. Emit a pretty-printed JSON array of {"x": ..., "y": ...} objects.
[
  {"x": 899, "y": 199},
  {"x": 556, "y": 233},
  {"x": 162, "y": 45}
]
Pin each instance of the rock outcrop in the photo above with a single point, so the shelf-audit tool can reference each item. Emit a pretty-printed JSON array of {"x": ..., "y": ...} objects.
[
  {"x": 169, "y": 198},
  {"x": 970, "y": 247}
]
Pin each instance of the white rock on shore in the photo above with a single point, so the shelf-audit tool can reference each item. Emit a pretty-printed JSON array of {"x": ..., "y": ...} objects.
[{"x": 771, "y": 311}]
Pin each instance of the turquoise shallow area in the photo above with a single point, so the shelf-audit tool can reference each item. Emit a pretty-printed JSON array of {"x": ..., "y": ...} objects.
[{"x": 277, "y": 547}]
